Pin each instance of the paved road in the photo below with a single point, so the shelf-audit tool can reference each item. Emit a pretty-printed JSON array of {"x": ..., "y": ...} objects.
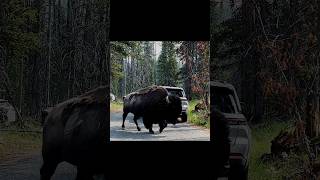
[
  {"x": 181, "y": 132},
  {"x": 27, "y": 167}
]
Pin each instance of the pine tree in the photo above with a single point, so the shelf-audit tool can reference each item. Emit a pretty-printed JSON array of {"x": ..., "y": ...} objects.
[
  {"x": 149, "y": 61},
  {"x": 161, "y": 65},
  {"x": 167, "y": 65},
  {"x": 172, "y": 65}
]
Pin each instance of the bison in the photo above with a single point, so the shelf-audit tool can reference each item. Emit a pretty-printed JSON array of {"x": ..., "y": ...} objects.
[
  {"x": 154, "y": 105},
  {"x": 75, "y": 131}
]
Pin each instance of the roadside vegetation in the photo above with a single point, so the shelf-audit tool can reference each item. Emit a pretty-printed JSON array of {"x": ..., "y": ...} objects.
[
  {"x": 276, "y": 70},
  {"x": 200, "y": 118},
  {"x": 116, "y": 106},
  {"x": 265, "y": 166},
  {"x": 15, "y": 140}
]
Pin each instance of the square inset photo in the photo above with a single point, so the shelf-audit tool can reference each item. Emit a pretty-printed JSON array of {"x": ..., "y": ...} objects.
[{"x": 159, "y": 91}]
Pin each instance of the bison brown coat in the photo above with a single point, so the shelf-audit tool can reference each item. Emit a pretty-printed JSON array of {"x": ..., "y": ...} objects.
[
  {"x": 154, "y": 105},
  {"x": 76, "y": 131}
]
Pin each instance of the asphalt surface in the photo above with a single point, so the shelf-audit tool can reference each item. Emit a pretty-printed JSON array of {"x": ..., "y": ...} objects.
[
  {"x": 27, "y": 167},
  {"x": 179, "y": 132}
]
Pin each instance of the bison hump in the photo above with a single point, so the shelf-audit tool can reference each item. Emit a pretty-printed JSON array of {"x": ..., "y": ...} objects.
[{"x": 150, "y": 89}]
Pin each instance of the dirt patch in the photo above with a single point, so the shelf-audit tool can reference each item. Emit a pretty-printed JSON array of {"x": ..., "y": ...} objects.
[{"x": 17, "y": 143}]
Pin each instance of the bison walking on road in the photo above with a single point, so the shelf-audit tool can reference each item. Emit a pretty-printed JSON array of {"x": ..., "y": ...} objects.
[
  {"x": 76, "y": 131},
  {"x": 154, "y": 105}
]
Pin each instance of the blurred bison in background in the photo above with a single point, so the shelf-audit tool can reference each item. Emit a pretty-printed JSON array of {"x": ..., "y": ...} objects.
[
  {"x": 75, "y": 131},
  {"x": 154, "y": 105}
]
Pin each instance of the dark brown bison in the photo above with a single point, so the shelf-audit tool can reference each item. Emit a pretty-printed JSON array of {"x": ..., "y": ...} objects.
[
  {"x": 75, "y": 131},
  {"x": 154, "y": 105}
]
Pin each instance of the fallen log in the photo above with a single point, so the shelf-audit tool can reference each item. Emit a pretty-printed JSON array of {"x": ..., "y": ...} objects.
[{"x": 289, "y": 139}]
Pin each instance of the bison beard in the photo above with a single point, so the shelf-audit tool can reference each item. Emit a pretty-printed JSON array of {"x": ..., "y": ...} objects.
[
  {"x": 154, "y": 105},
  {"x": 221, "y": 143}
]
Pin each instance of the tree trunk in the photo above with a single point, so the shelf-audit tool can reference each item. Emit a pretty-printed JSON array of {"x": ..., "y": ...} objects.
[
  {"x": 312, "y": 116},
  {"x": 21, "y": 85},
  {"x": 49, "y": 52}
]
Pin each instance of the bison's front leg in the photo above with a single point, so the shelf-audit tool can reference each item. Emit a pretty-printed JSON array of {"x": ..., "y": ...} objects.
[
  {"x": 162, "y": 125},
  {"x": 148, "y": 124},
  {"x": 151, "y": 131},
  {"x": 150, "y": 128}
]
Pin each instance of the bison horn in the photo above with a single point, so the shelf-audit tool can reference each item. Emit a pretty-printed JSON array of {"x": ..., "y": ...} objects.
[{"x": 167, "y": 99}]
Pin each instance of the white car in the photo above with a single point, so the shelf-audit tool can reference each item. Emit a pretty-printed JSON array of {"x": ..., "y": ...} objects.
[
  {"x": 180, "y": 92},
  {"x": 112, "y": 97}
]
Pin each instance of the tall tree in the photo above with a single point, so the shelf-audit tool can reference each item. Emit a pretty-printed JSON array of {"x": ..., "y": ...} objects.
[
  {"x": 167, "y": 65},
  {"x": 52, "y": 50},
  {"x": 195, "y": 58},
  {"x": 18, "y": 42}
]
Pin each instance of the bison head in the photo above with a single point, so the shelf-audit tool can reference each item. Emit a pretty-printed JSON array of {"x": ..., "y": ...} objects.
[{"x": 174, "y": 108}]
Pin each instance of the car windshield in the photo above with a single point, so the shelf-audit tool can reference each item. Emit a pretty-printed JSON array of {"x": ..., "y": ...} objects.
[
  {"x": 177, "y": 92},
  {"x": 224, "y": 100}
]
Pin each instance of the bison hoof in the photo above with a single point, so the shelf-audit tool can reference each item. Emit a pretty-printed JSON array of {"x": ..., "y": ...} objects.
[
  {"x": 122, "y": 126},
  {"x": 151, "y": 131},
  {"x": 138, "y": 129}
]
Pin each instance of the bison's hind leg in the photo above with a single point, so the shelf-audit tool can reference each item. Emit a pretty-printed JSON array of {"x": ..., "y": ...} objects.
[
  {"x": 162, "y": 125},
  {"x": 151, "y": 131},
  {"x": 124, "y": 115},
  {"x": 135, "y": 118}
]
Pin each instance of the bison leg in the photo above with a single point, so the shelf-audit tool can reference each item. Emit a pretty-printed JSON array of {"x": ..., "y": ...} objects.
[
  {"x": 151, "y": 131},
  {"x": 135, "y": 121},
  {"x": 124, "y": 115},
  {"x": 150, "y": 128},
  {"x": 48, "y": 169},
  {"x": 162, "y": 125},
  {"x": 148, "y": 125}
]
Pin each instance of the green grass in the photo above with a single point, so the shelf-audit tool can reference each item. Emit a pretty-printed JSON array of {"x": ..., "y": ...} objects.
[
  {"x": 197, "y": 118},
  {"x": 13, "y": 142},
  {"x": 116, "y": 106},
  {"x": 274, "y": 168}
]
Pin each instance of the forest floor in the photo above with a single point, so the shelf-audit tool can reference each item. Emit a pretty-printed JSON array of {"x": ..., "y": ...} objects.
[
  {"x": 20, "y": 154},
  {"x": 272, "y": 167},
  {"x": 14, "y": 140}
]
